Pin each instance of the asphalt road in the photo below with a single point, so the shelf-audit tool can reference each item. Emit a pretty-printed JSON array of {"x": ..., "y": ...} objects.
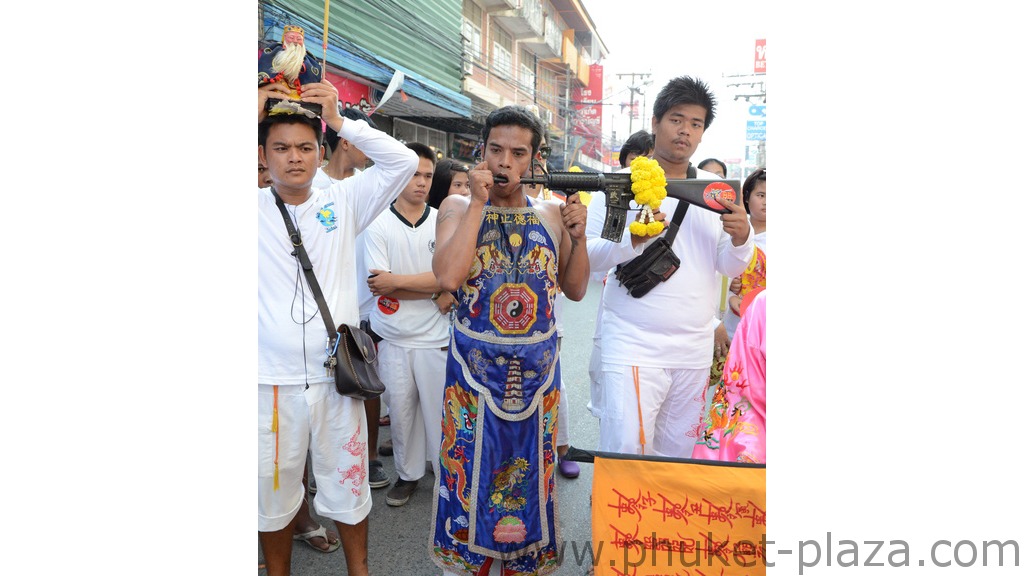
[{"x": 398, "y": 536}]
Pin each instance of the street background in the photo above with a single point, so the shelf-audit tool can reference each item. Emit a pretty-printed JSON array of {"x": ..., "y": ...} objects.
[{"x": 399, "y": 535}]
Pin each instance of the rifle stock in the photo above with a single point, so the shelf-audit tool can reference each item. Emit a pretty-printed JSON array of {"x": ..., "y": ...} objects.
[{"x": 619, "y": 193}]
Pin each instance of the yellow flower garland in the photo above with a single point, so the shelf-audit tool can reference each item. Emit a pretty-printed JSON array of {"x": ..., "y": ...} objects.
[{"x": 649, "y": 183}]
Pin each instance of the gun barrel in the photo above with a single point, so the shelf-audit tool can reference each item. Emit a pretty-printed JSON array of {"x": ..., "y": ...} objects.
[
  {"x": 575, "y": 181},
  {"x": 563, "y": 180}
]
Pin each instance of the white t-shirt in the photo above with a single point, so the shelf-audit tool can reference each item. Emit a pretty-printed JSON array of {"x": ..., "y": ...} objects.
[
  {"x": 405, "y": 248},
  {"x": 672, "y": 326},
  {"x": 322, "y": 180},
  {"x": 292, "y": 335}
]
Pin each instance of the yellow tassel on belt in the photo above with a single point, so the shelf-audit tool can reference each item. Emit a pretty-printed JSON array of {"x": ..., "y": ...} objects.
[
  {"x": 639, "y": 410},
  {"x": 274, "y": 429}
]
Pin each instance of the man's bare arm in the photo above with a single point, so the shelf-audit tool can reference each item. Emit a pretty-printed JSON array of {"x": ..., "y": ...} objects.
[
  {"x": 402, "y": 286},
  {"x": 574, "y": 265},
  {"x": 458, "y": 224}
]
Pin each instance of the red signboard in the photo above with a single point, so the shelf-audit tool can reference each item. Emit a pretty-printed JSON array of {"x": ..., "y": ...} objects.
[
  {"x": 351, "y": 93},
  {"x": 759, "y": 56},
  {"x": 588, "y": 116}
]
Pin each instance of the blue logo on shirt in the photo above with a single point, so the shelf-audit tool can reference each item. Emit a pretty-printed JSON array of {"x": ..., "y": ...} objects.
[{"x": 327, "y": 217}]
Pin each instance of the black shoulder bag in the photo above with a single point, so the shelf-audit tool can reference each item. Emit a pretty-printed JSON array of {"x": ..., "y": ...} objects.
[
  {"x": 351, "y": 354},
  {"x": 658, "y": 262}
]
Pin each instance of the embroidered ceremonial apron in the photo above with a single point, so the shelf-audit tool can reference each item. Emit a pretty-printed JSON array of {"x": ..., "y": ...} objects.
[{"x": 494, "y": 495}]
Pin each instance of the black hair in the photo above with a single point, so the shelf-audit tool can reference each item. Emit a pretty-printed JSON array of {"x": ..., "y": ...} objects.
[
  {"x": 751, "y": 181},
  {"x": 331, "y": 137},
  {"x": 640, "y": 143},
  {"x": 423, "y": 151},
  {"x": 685, "y": 90},
  {"x": 514, "y": 116},
  {"x": 705, "y": 162},
  {"x": 313, "y": 123},
  {"x": 442, "y": 181}
]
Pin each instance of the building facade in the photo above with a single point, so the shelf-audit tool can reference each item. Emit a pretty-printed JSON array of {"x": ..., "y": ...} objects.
[{"x": 460, "y": 60}]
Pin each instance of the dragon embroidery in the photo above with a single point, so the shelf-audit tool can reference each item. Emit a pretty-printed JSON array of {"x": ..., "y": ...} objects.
[{"x": 458, "y": 424}]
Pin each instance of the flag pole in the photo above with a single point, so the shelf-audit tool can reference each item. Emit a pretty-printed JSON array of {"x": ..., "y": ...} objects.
[{"x": 327, "y": 14}]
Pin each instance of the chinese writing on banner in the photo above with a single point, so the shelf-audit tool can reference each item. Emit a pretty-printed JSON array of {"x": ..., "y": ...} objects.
[{"x": 667, "y": 518}]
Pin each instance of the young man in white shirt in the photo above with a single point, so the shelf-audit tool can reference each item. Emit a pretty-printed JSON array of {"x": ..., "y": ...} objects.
[
  {"x": 656, "y": 350},
  {"x": 411, "y": 317},
  {"x": 346, "y": 159},
  {"x": 299, "y": 410}
]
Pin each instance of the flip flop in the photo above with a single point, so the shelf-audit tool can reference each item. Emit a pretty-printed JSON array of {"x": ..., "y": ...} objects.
[{"x": 322, "y": 533}]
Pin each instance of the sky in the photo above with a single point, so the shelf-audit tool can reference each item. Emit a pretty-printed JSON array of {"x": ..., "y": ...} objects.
[{"x": 676, "y": 45}]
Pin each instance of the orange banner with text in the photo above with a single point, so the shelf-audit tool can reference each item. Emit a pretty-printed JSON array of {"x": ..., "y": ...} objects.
[{"x": 668, "y": 518}]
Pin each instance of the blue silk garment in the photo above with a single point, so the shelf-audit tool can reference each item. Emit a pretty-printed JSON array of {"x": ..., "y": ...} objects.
[{"x": 495, "y": 492}]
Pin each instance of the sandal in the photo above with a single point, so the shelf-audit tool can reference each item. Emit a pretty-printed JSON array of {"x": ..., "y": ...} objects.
[{"x": 320, "y": 532}]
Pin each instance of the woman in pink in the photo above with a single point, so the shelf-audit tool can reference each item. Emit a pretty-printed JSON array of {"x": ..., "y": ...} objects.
[{"x": 734, "y": 425}]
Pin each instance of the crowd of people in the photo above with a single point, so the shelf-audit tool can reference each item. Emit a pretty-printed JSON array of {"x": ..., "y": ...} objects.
[{"x": 459, "y": 273}]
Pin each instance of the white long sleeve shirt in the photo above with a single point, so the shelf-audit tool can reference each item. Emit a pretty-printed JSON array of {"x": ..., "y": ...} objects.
[
  {"x": 672, "y": 326},
  {"x": 292, "y": 335}
]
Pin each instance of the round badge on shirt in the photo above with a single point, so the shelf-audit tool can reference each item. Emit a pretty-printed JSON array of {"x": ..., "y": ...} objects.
[{"x": 387, "y": 305}]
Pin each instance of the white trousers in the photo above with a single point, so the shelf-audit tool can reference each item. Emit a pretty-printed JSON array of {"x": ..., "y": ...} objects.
[
  {"x": 662, "y": 421},
  {"x": 414, "y": 392},
  {"x": 563, "y": 417},
  {"x": 563, "y": 407},
  {"x": 596, "y": 404},
  {"x": 332, "y": 428}
]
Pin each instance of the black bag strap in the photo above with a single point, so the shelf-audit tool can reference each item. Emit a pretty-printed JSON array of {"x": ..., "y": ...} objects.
[
  {"x": 307, "y": 267},
  {"x": 677, "y": 218},
  {"x": 681, "y": 208}
]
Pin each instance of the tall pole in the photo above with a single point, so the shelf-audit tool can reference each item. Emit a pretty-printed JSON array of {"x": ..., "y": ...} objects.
[
  {"x": 633, "y": 89},
  {"x": 568, "y": 112},
  {"x": 643, "y": 115},
  {"x": 631, "y": 95}
]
